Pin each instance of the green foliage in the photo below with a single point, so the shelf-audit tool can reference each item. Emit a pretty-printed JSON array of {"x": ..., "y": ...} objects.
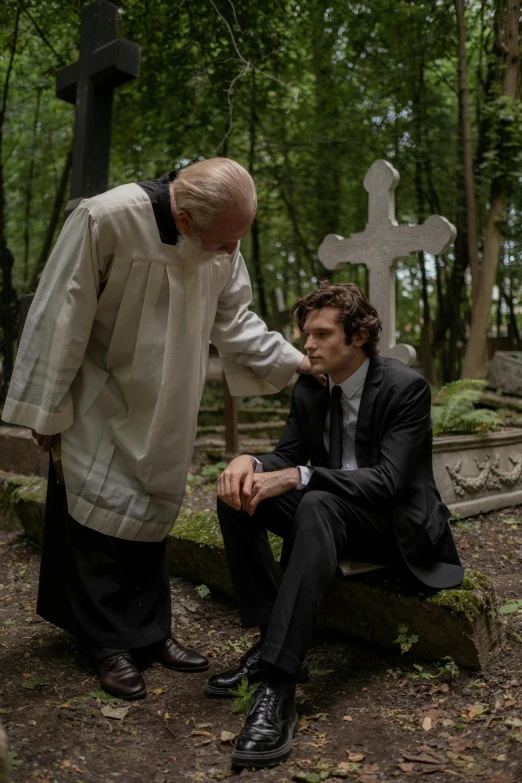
[
  {"x": 504, "y": 156},
  {"x": 212, "y": 472},
  {"x": 419, "y": 673},
  {"x": 243, "y": 696},
  {"x": 405, "y": 640},
  {"x": 448, "y": 666},
  {"x": 14, "y": 761},
  {"x": 268, "y": 84},
  {"x": 202, "y": 591},
  {"x": 457, "y": 413},
  {"x": 445, "y": 668}
]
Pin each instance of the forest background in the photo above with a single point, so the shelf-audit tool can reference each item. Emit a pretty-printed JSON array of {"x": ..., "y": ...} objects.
[{"x": 306, "y": 94}]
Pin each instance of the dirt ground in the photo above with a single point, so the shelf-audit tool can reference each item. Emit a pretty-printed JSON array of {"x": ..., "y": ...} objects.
[{"x": 366, "y": 715}]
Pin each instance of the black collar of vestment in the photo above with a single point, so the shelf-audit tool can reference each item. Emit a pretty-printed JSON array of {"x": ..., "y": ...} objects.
[{"x": 159, "y": 193}]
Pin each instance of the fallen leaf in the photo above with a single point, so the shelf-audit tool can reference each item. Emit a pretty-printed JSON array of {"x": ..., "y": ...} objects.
[
  {"x": 203, "y": 725},
  {"x": 424, "y": 758},
  {"x": 348, "y": 717},
  {"x": 104, "y": 697},
  {"x": 355, "y": 756},
  {"x": 157, "y": 691},
  {"x": 65, "y": 764},
  {"x": 200, "y": 733},
  {"x": 118, "y": 713},
  {"x": 32, "y": 683},
  {"x": 426, "y": 724},
  {"x": 228, "y": 736},
  {"x": 477, "y": 710}
]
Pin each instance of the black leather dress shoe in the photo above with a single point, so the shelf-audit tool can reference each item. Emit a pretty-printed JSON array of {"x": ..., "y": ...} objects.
[
  {"x": 174, "y": 656},
  {"x": 220, "y": 685},
  {"x": 267, "y": 736},
  {"x": 120, "y": 677}
]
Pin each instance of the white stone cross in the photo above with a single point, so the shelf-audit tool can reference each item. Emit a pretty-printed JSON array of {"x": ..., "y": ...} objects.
[{"x": 381, "y": 244}]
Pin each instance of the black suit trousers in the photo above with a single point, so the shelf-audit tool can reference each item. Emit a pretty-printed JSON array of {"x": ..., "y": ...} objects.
[{"x": 320, "y": 529}]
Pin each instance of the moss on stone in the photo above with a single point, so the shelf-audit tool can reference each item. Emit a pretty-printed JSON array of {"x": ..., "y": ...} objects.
[
  {"x": 474, "y": 596},
  {"x": 202, "y": 527},
  {"x": 14, "y": 491},
  {"x": 27, "y": 490}
]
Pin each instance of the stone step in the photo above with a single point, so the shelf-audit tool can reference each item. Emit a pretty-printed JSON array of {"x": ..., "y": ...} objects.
[
  {"x": 208, "y": 416},
  {"x": 462, "y": 622},
  {"x": 19, "y": 452}
]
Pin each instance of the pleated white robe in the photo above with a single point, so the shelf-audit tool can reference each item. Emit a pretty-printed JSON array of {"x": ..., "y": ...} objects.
[{"x": 114, "y": 356}]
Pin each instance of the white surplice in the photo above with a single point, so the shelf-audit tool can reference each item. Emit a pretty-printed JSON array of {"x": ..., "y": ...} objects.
[{"x": 114, "y": 356}]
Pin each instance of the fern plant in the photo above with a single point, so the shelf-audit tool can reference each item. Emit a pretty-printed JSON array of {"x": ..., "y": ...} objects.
[{"x": 457, "y": 413}]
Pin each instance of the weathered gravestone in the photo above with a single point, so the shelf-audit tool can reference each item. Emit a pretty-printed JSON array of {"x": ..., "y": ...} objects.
[
  {"x": 379, "y": 247},
  {"x": 505, "y": 372}
]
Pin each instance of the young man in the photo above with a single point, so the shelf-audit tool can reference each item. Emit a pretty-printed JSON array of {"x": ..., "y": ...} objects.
[
  {"x": 113, "y": 356},
  {"x": 369, "y": 493}
]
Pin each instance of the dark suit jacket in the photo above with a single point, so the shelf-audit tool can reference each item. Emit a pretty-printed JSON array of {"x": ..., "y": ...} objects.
[{"x": 393, "y": 447}]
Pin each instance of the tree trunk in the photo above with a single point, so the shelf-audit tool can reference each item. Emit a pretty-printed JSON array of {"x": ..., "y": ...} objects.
[
  {"x": 426, "y": 353},
  {"x": 5, "y": 91},
  {"x": 474, "y": 360},
  {"x": 29, "y": 187},
  {"x": 467, "y": 149},
  {"x": 513, "y": 334},
  {"x": 256, "y": 248},
  {"x": 327, "y": 173},
  {"x": 56, "y": 215}
]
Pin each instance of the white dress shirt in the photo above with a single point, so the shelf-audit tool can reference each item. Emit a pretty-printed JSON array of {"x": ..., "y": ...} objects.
[{"x": 352, "y": 389}]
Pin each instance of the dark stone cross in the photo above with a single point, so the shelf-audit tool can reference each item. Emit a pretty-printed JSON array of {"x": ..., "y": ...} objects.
[{"x": 105, "y": 62}]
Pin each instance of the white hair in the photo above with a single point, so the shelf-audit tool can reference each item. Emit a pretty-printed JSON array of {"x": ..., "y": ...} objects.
[{"x": 208, "y": 188}]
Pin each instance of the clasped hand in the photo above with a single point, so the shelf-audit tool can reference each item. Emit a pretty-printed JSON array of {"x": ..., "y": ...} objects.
[
  {"x": 44, "y": 441},
  {"x": 240, "y": 487}
]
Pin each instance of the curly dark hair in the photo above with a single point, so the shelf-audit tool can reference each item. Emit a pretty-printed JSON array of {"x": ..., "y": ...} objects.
[{"x": 356, "y": 314}]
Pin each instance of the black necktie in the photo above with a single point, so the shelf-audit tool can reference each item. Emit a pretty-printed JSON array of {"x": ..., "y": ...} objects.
[{"x": 335, "y": 451}]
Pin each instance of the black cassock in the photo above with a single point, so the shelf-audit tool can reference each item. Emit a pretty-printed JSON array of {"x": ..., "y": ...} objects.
[{"x": 112, "y": 594}]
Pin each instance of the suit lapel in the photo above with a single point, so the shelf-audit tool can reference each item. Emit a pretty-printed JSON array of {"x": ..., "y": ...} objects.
[
  {"x": 317, "y": 419},
  {"x": 368, "y": 397}
]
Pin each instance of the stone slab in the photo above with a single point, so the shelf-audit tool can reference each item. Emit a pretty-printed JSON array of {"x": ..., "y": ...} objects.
[
  {"x": 20, "y": 454},
  {"x": 461, "y": 622},
  {"x": 479, "y": 473}
]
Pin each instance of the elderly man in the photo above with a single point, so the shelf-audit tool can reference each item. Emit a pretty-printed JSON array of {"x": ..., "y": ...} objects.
[{"x": 113, "y": 358}]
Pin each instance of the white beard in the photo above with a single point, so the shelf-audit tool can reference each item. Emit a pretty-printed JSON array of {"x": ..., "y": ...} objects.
[{"x": 191, "y": 251}]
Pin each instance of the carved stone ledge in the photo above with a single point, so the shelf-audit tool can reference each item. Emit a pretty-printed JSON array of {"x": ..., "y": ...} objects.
[{"x": 479, "y": 473}]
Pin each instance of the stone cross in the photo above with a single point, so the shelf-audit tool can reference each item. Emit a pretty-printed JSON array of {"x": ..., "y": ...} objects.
[
  {"x": 105, "y": 62},
  {"x": 381, "y": 244}
]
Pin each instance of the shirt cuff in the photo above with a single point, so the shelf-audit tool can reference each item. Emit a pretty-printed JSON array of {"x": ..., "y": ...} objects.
[
  {"x": 258, "y": 465},
  {"x": 306, "y": 475}
]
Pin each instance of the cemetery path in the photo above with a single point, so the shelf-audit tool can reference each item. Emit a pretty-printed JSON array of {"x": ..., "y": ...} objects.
[{"x": 367, "y": 710}]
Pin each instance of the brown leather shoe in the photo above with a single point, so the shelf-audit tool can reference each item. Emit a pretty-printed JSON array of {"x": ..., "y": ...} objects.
[
  {"x": 174, "y": 656},
  {"x": 120, "y": 677}
]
